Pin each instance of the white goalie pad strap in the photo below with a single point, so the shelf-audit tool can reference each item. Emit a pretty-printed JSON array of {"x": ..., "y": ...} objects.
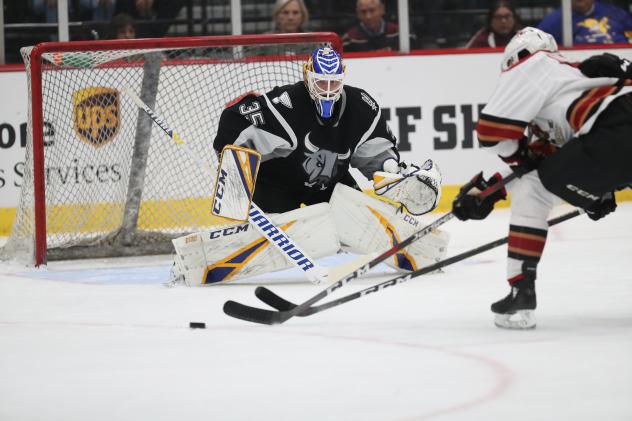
[
  {"x": 235, "y": 182},
  {"x": 238, "y": 250},
  {"x": 366, "y": 224},
  {"x": 419, "y": 190},
  {"x": 189, "y": 261}
]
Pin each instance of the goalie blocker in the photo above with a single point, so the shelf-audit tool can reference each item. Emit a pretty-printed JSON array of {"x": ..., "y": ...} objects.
[
  {"x": 235, "y": 182},
  {"x": 353, "y": 220}
]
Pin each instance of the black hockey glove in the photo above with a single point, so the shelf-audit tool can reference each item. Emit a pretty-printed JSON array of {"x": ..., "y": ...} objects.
[
  {"x": 528, "y": 156},
  {"x": 606, "y": 65},
  {"x": 602, "y": 207},
  {"x": 469, "y": 205}
]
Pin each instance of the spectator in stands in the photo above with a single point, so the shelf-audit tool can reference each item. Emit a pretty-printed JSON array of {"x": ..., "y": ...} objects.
[
  {"x": 502, "y": 25},
  {"x": 373, "y": 32},
  {"x": 145, "y": 11},
  {"x": 289, "y": 16},
  {"x": 46, "y": 10},
  {"x": 122, "y": 27},
  {"x": 97, "y": 10},
  {"x": 593, "y": 22}
]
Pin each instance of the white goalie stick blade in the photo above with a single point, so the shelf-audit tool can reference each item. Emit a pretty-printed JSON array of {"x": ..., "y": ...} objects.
[
  {"x": 235, "y": 182},
  {"x": 522, "y": 319}
]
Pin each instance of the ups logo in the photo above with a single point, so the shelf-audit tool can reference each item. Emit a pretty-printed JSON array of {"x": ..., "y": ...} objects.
[{"x": 96, "y": 114}]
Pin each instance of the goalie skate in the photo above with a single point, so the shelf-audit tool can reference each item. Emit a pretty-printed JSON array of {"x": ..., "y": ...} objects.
[{"x": 176, "y": 273}]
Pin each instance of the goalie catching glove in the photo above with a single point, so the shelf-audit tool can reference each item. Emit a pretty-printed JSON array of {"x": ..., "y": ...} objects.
[
  {"x": 415, "y": 188},
  {"x": 468, "y": 204}
]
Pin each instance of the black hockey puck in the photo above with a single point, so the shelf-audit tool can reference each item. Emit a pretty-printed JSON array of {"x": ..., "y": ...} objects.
[{"x": 197, "y": 325}]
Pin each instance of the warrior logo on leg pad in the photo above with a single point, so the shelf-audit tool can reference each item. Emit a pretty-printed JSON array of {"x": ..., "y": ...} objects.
[{"x": 228, "y": 267}]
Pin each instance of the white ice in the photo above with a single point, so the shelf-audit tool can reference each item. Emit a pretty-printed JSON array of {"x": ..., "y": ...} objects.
[{"x": 104, "y": 340}]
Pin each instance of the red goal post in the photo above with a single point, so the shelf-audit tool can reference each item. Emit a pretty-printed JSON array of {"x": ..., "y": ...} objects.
[{"x": 99, "y": 179}]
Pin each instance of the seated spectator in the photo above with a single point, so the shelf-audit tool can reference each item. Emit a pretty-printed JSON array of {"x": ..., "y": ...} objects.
[
  {"x": 146, "y": 12},
  {"x": 122, "y": 27},
  {"x": 138, "y": 9},
  {"x": 97, "y": 10},
  {"x": 289, "y": 16},
  {"x": 373, "y": 32},
  {"x": 46, "y": 10},
  {"x": 502, "y": 25},
  {"x": 593, "y": 22}
]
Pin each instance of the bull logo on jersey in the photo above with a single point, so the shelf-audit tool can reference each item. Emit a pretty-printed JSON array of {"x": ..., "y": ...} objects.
[
  {"x": 321, "y": 165},
  {"x": 96, "y": 114}
]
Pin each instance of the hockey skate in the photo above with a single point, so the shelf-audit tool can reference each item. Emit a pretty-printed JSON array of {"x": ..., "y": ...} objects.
[
  {"x": 516, "y": 310},
  {"x": 176, "y": 275}
]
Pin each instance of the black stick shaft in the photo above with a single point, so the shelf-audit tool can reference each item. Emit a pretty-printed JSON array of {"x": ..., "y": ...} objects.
[{"x": 272, "y": 299}]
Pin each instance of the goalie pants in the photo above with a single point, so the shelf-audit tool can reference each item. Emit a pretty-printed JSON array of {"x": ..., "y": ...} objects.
[
  {"x": 273, "y": 196},
  {"x": 596, "y": 163}
]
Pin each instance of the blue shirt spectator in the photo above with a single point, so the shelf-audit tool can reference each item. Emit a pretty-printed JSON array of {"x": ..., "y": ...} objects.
[
  {"x": 46, "y": 10},
  {"x": 593, "y": 23},
  {"x": 99, "y": 10}
]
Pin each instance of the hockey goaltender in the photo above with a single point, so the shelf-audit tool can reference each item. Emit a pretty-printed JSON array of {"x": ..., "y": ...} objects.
[{"x": 309, "y": 134}]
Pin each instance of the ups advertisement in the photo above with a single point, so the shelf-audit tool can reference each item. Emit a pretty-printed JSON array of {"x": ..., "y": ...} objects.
[
  {"x": 74, "y": 149},
  {"x": 96, "y": 115}
]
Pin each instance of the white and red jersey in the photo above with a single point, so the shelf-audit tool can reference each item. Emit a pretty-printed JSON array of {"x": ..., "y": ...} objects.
[{"x": 546, "y": 90}]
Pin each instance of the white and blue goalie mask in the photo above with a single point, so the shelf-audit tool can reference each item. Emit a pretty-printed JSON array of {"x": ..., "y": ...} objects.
[{"x": 324, "y": 75}]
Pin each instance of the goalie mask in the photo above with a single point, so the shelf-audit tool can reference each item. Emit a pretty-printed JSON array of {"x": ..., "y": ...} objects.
[
  {"x": 526, "y": 42},
  {"x": 323, "y": 74}
]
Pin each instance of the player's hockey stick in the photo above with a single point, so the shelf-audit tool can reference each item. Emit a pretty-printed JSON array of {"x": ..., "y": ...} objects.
[
  {"x": 282, "y": 304},
  {"x": 292, "y": 252},
  {"x": 270, "y": 317}
]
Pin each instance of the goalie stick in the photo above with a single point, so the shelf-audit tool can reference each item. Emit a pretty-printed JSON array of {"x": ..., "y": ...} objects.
[
  {"x": 274, "y": 300},
  {"x": 256, "y": 216},
  {"x": 270, "y": 317}
]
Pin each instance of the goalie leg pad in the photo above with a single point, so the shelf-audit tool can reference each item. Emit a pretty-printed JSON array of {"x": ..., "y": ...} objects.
[
  {"x": 237, "y": 251},
  {"x": 366, "y": 225}
]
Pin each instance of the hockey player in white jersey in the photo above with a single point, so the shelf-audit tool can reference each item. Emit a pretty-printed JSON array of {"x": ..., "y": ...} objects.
[
  {"x": 579, "y": 119},
  {"x": 309, "y": 134}
]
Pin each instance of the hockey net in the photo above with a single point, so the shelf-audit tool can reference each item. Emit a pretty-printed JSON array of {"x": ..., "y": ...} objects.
[{"x": 99, "y": 178}]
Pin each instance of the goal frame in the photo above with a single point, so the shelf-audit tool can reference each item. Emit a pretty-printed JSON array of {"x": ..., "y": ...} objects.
[{"x": 36, "y": 100}]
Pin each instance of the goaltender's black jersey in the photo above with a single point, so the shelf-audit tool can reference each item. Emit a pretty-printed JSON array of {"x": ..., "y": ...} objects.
[{"x": 304, "y": 156}]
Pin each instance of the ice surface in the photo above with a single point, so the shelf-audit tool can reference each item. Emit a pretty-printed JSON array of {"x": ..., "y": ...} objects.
[{"x": 104, "y": 340}]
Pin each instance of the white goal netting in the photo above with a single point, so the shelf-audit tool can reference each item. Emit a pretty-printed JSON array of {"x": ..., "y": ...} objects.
[{"x": 112, "y": 182}]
